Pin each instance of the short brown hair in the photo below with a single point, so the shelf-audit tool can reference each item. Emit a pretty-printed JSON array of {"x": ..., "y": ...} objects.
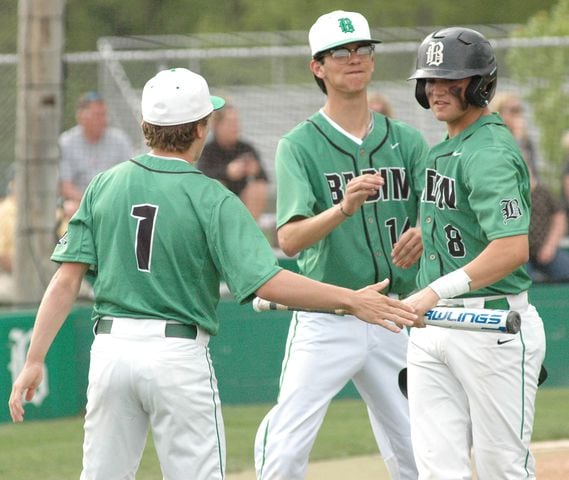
[
  {"x": 321, "y": 85},
  {"x": 171, "y": 138}
]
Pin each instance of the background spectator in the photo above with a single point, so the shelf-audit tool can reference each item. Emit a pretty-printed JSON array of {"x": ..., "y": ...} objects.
[
  {"x": 8, "y": 219},
  {"x": 7, "y": 229},
  {"x": 234, "y": 162},
  {"x": 87, "y": 149},
  {"x": 565, "y": 177},
  {"x": 510, "y": 108},
  {"x": 547, "y": 227},
  {"x": 378, "y": 102}
]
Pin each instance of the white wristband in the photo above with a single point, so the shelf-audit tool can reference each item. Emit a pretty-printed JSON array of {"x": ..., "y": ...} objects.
[{"x": 452, "y": 284}]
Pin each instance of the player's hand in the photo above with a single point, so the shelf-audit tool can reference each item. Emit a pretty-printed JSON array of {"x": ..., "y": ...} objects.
[
  {"x": 359, "y": 189},
  {"x": 24, "y": 387},
  {"x": 422, "y": 301},
  {"x": 382, "y": 310},
  {"x": 408, "y": 248}
]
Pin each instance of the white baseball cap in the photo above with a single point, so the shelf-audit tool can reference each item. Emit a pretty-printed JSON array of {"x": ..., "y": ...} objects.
[
  {"x": 338, "y": 28},
  {"x": 177, "y": 96}
]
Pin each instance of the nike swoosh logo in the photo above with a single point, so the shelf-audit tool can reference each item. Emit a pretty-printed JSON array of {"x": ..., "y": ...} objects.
[
  {"x": 501, "y": 342},
  {"x": 456, "y": 154},
  {"x": 395, "y": 145}
]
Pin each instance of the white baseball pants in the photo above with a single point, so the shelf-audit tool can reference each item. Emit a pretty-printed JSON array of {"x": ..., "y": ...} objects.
[
  {"x": 323, "y": 353},
  {"x": 140, "y": 379},
  {"x": 475, "y": 390}
]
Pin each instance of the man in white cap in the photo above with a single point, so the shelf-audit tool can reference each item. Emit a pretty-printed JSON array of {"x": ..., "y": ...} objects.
[
  {"x": 348, "y": 188},
  {"x": 160, "y": 235}
]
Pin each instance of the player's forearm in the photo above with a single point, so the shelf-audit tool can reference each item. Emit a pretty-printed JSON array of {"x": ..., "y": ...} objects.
[
  {"x": 300, "y": 234},
  {"x": 290, "y": 288},
  {"x": 500, "y": 258},
  {"x": 367, "y": 304},
  {"x": 54, "y": 309}
]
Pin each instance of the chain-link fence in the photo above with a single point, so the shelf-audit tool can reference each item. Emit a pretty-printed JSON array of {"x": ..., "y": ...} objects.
[
  {"x": 265, "y": 74},
  {"x": 8, "y": 73}
]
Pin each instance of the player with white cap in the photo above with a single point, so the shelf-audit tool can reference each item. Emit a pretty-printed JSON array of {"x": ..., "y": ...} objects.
[
  {"x": 160, "y": 236},
  {"x": 348, "y": 189},
  {"x": 470, "y": 392}
]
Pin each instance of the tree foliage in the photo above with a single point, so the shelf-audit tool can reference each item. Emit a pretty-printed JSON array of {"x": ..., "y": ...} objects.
[
  {"x": 545, "y": 71},
  {"x": 87, "y": 21}
]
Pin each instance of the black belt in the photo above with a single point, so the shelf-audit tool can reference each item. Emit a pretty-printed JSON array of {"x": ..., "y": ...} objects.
[{"x": 175, "y": 330}]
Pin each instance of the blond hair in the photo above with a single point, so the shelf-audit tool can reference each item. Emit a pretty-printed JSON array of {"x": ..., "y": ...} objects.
[
  {"x": 502, "y": 100},
  {"x": 172, "y": 138},
  {"x": 379, "y": 103},
  {"x": 565, "y": 141}
]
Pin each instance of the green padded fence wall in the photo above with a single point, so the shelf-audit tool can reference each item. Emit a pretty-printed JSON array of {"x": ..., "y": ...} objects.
[
  {"x": 247, "y": 353},
  {"x": 63, "y": 391}
]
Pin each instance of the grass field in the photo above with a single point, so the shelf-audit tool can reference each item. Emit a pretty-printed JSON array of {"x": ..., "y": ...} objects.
[{"x": 51, "y": 450}]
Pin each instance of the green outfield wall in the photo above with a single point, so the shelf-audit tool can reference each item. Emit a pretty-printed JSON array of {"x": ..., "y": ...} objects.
[{"x": 247, "y": 353}]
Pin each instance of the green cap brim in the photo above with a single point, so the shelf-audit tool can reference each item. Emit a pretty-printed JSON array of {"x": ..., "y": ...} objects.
[{"x": 217, "y": 102}]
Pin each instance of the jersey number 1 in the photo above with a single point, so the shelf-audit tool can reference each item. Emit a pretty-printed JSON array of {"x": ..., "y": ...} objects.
[{"x": 146, "y": 215}]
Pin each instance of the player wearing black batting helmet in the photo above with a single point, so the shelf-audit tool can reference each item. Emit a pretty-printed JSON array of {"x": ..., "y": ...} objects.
[
  {"x": 475, "y": 213},
  {"x": 455, "y": 53}
]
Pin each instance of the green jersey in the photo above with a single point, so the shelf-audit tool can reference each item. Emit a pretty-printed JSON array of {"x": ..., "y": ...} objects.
[
  {"x": 314, "y": 163},
  {"x": 476, "y": 190},
  {"x": 161, "y": 236}
]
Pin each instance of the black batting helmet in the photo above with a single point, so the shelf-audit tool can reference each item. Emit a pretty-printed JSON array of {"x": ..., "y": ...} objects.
[{"x": 455, "y": 53}]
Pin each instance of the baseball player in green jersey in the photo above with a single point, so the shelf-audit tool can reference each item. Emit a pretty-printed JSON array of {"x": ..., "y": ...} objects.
[
  {"x": 468, "y": 389},
  {"x": 349, "y": 183},
  {"x": 160, "y": 235}
]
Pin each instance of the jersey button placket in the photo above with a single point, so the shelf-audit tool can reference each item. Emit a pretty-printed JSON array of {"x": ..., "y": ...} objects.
[{"x": 374, "y": 244}]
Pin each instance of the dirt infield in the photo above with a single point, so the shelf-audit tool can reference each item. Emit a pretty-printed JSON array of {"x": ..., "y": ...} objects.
[
  {"x": 552, "y": 464},
  {"x": 552, "y": 460}
]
